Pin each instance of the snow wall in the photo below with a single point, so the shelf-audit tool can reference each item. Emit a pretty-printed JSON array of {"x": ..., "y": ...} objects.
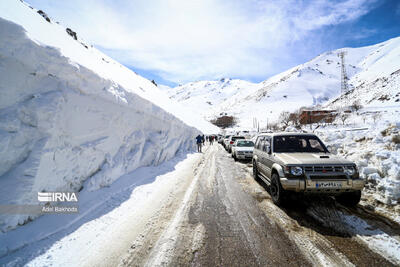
[{"x": 62, "y": 124}]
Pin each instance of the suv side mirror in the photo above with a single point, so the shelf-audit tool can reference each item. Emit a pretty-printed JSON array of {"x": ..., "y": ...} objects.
[{"x": 332, "y": 149}]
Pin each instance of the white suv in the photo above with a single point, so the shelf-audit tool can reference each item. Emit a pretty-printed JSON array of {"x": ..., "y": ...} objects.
[{"x": 232, "y": 140}]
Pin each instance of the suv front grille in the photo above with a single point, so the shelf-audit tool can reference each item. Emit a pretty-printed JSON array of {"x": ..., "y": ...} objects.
[{"x": 323, "y": 169}]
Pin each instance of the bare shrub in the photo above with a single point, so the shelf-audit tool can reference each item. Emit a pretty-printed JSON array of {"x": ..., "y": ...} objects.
[
  {"x": 284, "y": 118},
  {"x": 294, "y": 118},
  {"x": 376, "y": 116},
  {"x": 274, "y": 127},
  {"x": 343, "y": 117},
  {"x": 356, "y": 106}
]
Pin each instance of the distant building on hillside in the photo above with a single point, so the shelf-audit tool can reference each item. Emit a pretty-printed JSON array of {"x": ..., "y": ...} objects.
[
  {"x": 315, "y": 116},
  {"x": 224, "y": 121}
]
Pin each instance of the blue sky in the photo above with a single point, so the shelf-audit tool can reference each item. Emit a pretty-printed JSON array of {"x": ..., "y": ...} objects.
[{"x": 178, "y": 41}]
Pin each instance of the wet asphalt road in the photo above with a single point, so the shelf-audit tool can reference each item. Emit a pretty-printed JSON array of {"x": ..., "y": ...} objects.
[
  {"x": 229, "y": 220},
  {"x": 237, "y": 232}
]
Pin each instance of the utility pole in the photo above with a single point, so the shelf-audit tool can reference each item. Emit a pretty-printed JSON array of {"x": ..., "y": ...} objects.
[
  {"x": 344, "y": 78},
  {"x": 256, "y": 124}
]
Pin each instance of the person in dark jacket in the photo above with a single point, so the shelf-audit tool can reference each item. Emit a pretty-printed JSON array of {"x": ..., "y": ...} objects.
[{"x": 199, "y": 142}]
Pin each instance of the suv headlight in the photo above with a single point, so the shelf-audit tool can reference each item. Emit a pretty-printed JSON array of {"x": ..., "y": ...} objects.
[
  {"x": 296, "y": 171},
  {"x": 350, "y": 170}
]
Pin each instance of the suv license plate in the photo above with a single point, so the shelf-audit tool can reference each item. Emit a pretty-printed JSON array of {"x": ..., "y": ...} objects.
[{"x": 328, "y": 185}]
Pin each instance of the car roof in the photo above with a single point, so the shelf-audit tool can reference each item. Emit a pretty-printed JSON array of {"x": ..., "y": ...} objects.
[{"x": 285, "y": 134}]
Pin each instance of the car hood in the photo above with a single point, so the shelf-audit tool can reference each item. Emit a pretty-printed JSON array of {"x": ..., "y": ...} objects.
[
  {"x": 310, "y": 158},
  {"x": 237, "y": 148}
]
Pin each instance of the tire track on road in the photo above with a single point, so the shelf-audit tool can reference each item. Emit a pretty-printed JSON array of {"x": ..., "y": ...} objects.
[
  {"x": 237, "y": 232},
  {"x": 164, "y": 250}
]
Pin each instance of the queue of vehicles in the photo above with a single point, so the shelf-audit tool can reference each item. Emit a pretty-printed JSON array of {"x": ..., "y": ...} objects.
[{"x": 297, "y": 162}]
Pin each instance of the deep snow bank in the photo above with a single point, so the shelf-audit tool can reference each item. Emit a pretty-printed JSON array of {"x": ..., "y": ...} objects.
[
  {"x": 374, "y": 144},
  {"x": 78, "y": 51},
  {"x": 65, "y": 119}
]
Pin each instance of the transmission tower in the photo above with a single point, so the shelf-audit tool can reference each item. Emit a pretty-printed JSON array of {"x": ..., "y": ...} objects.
[{"x": 344, "y": 78}]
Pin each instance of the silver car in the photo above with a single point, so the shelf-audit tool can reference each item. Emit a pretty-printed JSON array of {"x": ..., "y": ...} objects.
[
  {"x": 242, "y": 149},
  {"x": 225, "y": 140},
  {"x": 300, "y": 162}
]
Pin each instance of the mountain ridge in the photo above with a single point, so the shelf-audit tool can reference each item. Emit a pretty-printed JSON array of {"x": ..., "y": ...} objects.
[{"x": 316, "y": 82}]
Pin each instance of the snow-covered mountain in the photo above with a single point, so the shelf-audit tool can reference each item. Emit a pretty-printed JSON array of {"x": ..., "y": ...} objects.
[
  {"x": 377, "y": 83},
  {"x": 205, "y": 96},
  {"x": 71, "y": 118},
  {"x": 373, "y": 71}
]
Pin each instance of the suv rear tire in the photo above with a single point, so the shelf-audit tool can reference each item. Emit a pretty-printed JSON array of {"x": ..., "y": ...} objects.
[
  {"x": 350, "y": 199},
  {"x": 276, "y": 191},
  {"x": 255, "y": 171}
]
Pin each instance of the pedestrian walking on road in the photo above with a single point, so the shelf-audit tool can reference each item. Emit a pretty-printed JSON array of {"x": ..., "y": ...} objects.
[
  {"x": 199, "y": 141},
  {"x": 204, "y": 139}
]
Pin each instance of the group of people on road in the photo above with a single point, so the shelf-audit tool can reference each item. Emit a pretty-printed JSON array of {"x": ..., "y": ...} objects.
[{"x": 201, "y": 139}]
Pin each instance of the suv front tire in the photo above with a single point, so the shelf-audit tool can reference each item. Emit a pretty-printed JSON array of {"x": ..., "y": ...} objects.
[{"x": 276, "y": 191}]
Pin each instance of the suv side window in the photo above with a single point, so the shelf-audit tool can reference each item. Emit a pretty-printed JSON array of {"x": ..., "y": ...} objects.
[
  {"x": 316, "y": 145},
  {"x": 266, "y": 142},
  {"x": 259, "y": 142}
]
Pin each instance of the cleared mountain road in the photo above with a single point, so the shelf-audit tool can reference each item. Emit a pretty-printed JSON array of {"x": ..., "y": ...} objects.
[{"x": 226, "y": 218}]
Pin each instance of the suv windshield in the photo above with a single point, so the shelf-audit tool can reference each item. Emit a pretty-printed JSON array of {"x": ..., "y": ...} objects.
[
  {"x": 298, "y": 143},
  {"x": 245, "y": 143}
]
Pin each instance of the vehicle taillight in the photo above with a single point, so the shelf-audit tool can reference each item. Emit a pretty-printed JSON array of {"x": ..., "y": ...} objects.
[{"x": 232, "y": 142}]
